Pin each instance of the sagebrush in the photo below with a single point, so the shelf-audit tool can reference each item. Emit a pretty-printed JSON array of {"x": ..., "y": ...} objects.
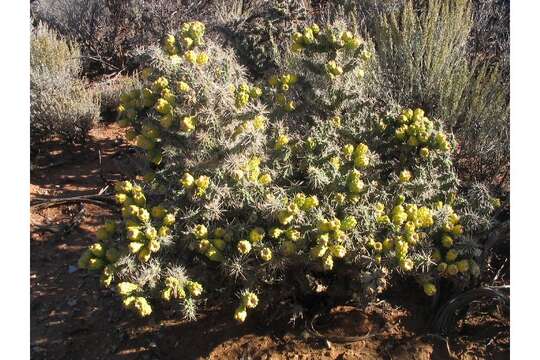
[{"x": 61, "y": 103}]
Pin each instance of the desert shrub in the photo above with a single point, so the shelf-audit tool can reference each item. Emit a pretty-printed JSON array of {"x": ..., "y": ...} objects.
[
  {"x": 107, "y": 31},
  {"x": 283, "y": 193},
  {"x": 425, "y": 58},
  {"x": 256, "y": 30},
  {"x": 490, "y": 35},
  {"x": 60, "y": 102}
]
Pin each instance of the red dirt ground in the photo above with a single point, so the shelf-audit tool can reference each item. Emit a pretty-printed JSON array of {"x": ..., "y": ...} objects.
[{"x": 73, "y": 318}]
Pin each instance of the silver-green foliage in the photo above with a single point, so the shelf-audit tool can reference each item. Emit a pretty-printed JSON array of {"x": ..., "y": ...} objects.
[{"x": 61, "y": 104}]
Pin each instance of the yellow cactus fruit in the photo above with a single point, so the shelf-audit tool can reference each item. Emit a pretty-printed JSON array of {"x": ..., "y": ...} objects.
[
  {"x": 463, "y": 266},
  {"x": 143, "y": 215},
  {"x": 202, "y": 59},
  {"x": 120, "y": 198},
  {"x": 169, "y": 219},
  {"x": 144, "y": 254},
  {"x": 250, "y": 300},
  {"x": 292, "y": 234},
  {"x": 200, "y": 231},
  {"x": 451, "y": 255},
  {"x": 457, "y": 229},
  {"x": 133, "y": 233},
  {"x": 166, "y": 294},
  {"x": 194, "y": 288},
  {"x": 190, "y": 56},
  {"x": 202, "y": 183},
  {"x": 406, "y": 264},
  {"x": 240, "y": 314},
  {"x": 275, "y": 232},
  {"x": 126, "y": 288},
  {"x": 188, "y": 124},
  {"x": 281, "y": 141},
  {"x": 135, "y": 247},
  {"x": 158, "y": 212},
  {"x": 442, "y": 267},
  {"x": 348, "y": 150},
  {"x": 187, "y": 181},
  {"x": 128, "y": 302},
  {"x": 405, "y": 176},
  {"x": 142, "y": 307},
  {"x": 139, "y": 199},
  {"x": 164, "y": 231},
  {"x": 266, "y": 254},
  {"x": 328, "y": 262},
  {"x": 452, "y": 269},
  {"x": 154, "y": 245},
  {"x": 447, "y": 241},
  {"x": 187, "y": 42},
  {"x": 255, "y": 92},
  {"x": 213, "y": 254},
  {"x": 162, "y": 106},
  {"x": 183, "y": 87},
  {"x": 256, "y": 234},
  {"x": 203, "y": 245},
  {"x": 259, "y": 122},
  {"x": 318, "y": 251},
  {"x": 430, "y": 289},
  {"x": 265, "y": 179},
  {"x": 338, "y": 251},
  {"x": 311, "y": 202},
  {"x": 243, "y": 247}
]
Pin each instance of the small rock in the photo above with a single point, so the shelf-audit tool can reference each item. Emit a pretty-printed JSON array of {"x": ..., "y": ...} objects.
[{"x": 327, "y": 344}]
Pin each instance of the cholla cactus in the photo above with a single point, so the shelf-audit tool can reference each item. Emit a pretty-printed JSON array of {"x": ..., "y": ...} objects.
[{"x": 299, "y": 187}]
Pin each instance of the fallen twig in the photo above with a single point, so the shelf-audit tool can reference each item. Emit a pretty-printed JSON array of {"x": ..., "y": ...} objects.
[
  {"x": 62, "y": 228},
  {"x": 101, "y": 199}
]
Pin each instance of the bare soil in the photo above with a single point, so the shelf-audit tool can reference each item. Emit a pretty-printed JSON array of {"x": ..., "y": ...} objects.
[{"x": 73, "y": 318}]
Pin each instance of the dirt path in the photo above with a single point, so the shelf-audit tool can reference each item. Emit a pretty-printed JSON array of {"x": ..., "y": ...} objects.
[{"x": 72, "y": 318}]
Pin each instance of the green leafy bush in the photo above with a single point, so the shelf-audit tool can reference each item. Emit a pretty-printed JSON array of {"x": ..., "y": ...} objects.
[
  {"x": 282, "y": 192},
  {"x": 61, "y": 103}
]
